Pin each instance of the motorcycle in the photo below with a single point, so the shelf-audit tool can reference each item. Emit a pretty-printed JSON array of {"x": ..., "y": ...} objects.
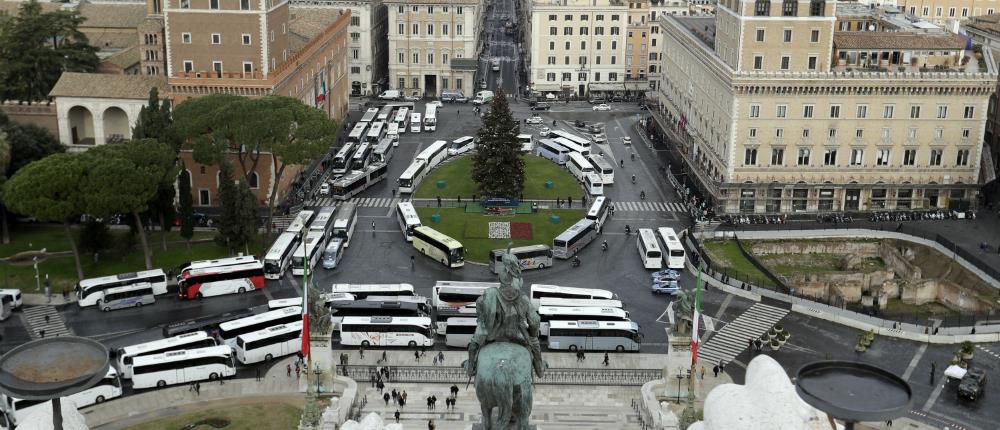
[
  {"x": 576, "y": 261},
  {"x": 642, "y": 195},
  {"x": 604, "y": 246},
  {"x": 633, "y": 179},
  {"x": 628, "y": 230}
]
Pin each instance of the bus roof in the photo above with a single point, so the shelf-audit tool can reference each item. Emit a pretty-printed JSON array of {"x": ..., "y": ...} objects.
[
  {"x": 594, "y": 178},
  {"x": 466, "y": 284},
  {"x": 581, "y": 310},
  {"x": 559, "y": 301},
  {"x": 419, "y": 300},
  {"x": 228, "y": 261},
  {"x": 580, "y": 160},
  {"x": 133, "y": 287},
  {"x": 271, "y": 331},
  {"x": 430, "y": 151},
  {"x": 346, "y": 180},
  {"x": 595, "y": 207},
  {"x": 593, "y": 292},
  {"x": 668, "y": 235},
  {"x": 553, "y": 145},
  {"x": 119, "y": 277},
  {"x": 184, "y": 354},
  {"x": 412, "y": 169},
  {"x": 526, "y": 248},
  {"x": 574, "y": 229},
  {"x": 375, "y": 305},
  {"x": 349, "y": 288},
  {"x": 311, "y": 240},
  {"x": 600, "y": 162},
  {"x": 283, "y": 303},
  {"x": 280, "y": 244},
  {"x": 262, "y": 317},
  {"x": 647, "y": 236},
  {"x": 254, "y": 264},
  {"x": 441, "y": 237},
  {"x": 424, "y": 321},
  {"x": 322, "y": 218},
  {"x": 430, "y": 110},
  {"x": 358, "y": 130},
  {"x": 369, "y": 115},
  {"x": 624, "y": 325},
  {"x": 180, "y": 339},
  {"x": 466, "y": 321}
]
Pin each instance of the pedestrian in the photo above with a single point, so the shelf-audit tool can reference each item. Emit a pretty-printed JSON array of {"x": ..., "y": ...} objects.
[
  {"x": 759, "y": 344},
  {"x": 373, "y": 226},
  {"x": 298, "y": 372},
  {"x": 46, "y": 319},
  {"x": 41, "y": 333},
  {"x": 441, "y": 357},
  {"x": 371, "y": 378},
  {"x": 434, "y": 401},
  {"x": 750, "y": 347},
  {"x": 439, "y": 201},
  {"x": 402, "y": 402},
  {"x": 288, "y": 370},
  {"x": 197, "y": 388},
  {"x": 384, "y": 358},
  {"x": 607, "y": 360},
  {"x": 403, "y": 396},
  {"x": 435, "y": 360},
  {"x": 888, "y": 423},
  {"x": 454, "y": 390},
  {"x": 583, "y": 356},
  {"x": 65, "y": 292},
  {"x": 430, "y": 424},
  {"x": 416, "y": 356},
  {"x": 385, "y": 397},
  {"x": 569, "y": 202},
  {"x": 933, "y": 371},
  {"x": 48, "y": 288},
  {"x": 397, "y": 415},
  {"x": 412, "y": 261},
  {"x": 722, "y": 366},
  {"x": 395, "y": 396},
  {"x": 715, "y": 369},
  {"x": 428, "y": 403},
  {"x": 362, "y": 352},
  {"x": 380, "y": 385},
  {"x": 258, "y": 374},
  {"x": 423, "y": 351},
  {"x": 703, "y": 372}
]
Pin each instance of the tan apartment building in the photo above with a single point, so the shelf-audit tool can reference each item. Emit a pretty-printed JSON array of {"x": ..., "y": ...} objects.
[
  {"x": 578, "y": 47},
  {"x": 434, "y": 46},
  {"x": 948, "y": 13},
  {"x": 778, "y": 112},
  {"x": 637, "y": 48},
  {"x": 658, "y": 8},
  {"x": 985, "y": 31}
]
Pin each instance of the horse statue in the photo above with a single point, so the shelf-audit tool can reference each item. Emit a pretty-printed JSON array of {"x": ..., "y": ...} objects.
[{"x": 504, "y": 353}]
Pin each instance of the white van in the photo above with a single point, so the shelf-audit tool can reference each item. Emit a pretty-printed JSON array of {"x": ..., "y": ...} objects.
[
  {"x": 332, "y": 253},
  {"x": 526, "y": 141},
  {"x": 15, "y": 296},
  {"x": 483, "y": 97},
  {"x": 390, "y": 95}
]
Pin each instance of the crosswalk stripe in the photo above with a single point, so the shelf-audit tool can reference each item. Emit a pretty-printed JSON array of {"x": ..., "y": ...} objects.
[
  {"x": 35, "y": 318},
  {"x": 732, "y": 340}
]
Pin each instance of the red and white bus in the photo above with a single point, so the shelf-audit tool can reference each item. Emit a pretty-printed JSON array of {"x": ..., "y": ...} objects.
[{"x": 219, "y": 280}]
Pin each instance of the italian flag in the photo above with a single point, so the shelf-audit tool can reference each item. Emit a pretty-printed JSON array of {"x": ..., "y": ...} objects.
[
  {"x": 305, "y": 308},
  {"x": 697, "y": 317}
]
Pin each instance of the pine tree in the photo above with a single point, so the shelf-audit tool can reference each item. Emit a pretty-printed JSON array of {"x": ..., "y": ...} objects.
[
  {"x": 229, "y": 203},
  {"x": 498, "y": 167},
  {"x": 186, "y": 210}
]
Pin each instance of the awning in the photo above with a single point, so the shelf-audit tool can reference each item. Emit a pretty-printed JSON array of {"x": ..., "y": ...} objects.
[
  {"x": 607, "y": 86},
  {"x": 546, "y": 86},
  {"x": 637, "y": 85},
  {"x": 987, "y": 172}
]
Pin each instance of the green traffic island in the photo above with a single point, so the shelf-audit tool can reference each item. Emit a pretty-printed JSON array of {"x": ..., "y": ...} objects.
[{"x": 544, "y": 180}]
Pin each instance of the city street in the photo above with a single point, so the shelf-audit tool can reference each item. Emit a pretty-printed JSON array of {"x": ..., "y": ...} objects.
[{"x": 499, "y": 45}]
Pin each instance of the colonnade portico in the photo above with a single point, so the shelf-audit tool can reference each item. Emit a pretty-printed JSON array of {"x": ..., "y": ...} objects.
[{"x": 89, "y": 122}]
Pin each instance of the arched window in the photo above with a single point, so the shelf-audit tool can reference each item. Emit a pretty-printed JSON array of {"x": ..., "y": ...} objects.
[
  {"x": 253, "y": 180},
  {"x": 762, "y": 8},
  {"x": 789, "y": 8},
  {"x": 817, "y": 8}
]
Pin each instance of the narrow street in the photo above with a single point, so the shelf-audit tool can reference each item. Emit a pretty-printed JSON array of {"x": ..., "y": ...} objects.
[{"x": 501, "y": 46}]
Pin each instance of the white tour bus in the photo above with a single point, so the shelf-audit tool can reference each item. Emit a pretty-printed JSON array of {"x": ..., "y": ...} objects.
[
  {"x": 15, "y": 297},
  {"x": 576, "y": 140},
  {"x": 411, "y": 177},
  {"x": 369, "y": 115},
  {"x": 592, "y": 182},
  {"x": 434, "y": 154},
  {"x": 375, "y": 133},
  {"x": 344, "y": 221},
  {"x": 220, "y": 280},
  {"x": 562, "y": 313},
  {"x": 387, "y": 331},
  {"x": 277, "y": 259},
  {"x": 356, "y": 182},
  {"x": 573, "y": 146},
  {"x": 392, "y": 132},
  {"x": 402, "y": 121},
  {"x": 90, "y": 291},
  {"x": 308, "y": 252},
  {"x": 361, "y": 291},
  {"x": 430, "y": 117},
  {"x": 383, "y": 151},
  {"x": 324, "y": 220},
  {"x": 362, "y": 156},
  {"x": 598, "y": 212},
  {"x": 333, "y": 253},
  {"x": 579, "y": 166},
  {"x": 271, "y": 342},
  {"x": 124, "y": 356},
  {"x": 439, "y": 246},
  {"x": 230, "y": 330},
  {"x": 181, "y": 367},
  {"x": 603, "y": 168},
  {"x": 283, "y": 303},
  {"x": 528, "y": 257},
  {"x": 415, "y": 122},
  {"x": 211, "y": 264},
  {"x": 300, "y": 222},
  {"x": 527, "y": 142},
  {"x": 595, "y": 335},
  {"x": 649, "y": 249},
  {"x": 673, "y": 250},
  {"x": 461, "y": 145},
  {"x": 342, "y": 160},
  {"x": 459, "y": 331},
  {"x": 358, "y": 133},
  {"x": 601, "y": 303},
  {"x": 540, "y": 291},
  {"x": 456, "y": 294},
  {"x": 574, "y": 239},
  {"x": 370, "y": 308},
  {"x": 408, "y": 219},
  {"x": 132, "y": 296},
  {"x": 554, "y": 152},
  {"x": 385, "y": 113},
  {"x": 17, "y": 410}
]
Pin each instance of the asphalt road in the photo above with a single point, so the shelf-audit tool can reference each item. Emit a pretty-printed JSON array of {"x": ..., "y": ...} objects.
[{"x": 500, "y": 46}]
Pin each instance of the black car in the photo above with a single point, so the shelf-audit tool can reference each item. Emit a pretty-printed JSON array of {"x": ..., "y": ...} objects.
[
  {"x": 579, "y": 124},
  {"x": 540, "y": 106},
  {"x": 972, "y": 384}
]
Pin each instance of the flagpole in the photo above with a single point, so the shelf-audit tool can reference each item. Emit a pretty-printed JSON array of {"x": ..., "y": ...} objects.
[
  {"x": 694, "y": 336},
  {"x": 305, "y": 313}
]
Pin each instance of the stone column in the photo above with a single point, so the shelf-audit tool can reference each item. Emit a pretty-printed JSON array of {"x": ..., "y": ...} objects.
[{"x": 98, "y": 115}]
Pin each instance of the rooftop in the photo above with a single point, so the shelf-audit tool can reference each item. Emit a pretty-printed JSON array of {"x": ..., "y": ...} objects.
[
  {"x": 701, "y": 27},
  {"x": 124, "y": 58},
  {"x": 112, "y": 15},
  {"x": 309, "y": 22},
  {"x": 12, "y": 7},
  {"x": 897, "y": 40},
  {"x": 106, "y": 86},
  {"x": 985, "y": 23}
]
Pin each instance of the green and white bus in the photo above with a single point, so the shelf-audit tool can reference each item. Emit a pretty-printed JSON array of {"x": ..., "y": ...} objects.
[{"x": 438, "y": 246}]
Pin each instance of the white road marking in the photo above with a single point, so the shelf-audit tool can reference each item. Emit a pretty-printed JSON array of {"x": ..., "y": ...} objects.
[{"x": 913, "y": 362}]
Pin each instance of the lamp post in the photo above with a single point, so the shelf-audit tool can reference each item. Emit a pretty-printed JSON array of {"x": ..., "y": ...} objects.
[{"x": 680, "y": 377}]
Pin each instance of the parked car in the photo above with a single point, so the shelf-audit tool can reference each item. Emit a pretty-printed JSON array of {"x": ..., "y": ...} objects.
[
  {"x": 412, "y": 97},
  {"x": 579, "y": 124},
  {"x": 545, "y": 132},
  {"x": 972, "y": 384},
  {"x": 540, "y": 106},
  {"x": 535, "y": 120},
  {"x": 665, "y": 286},
  {"x": 550, "y": 96},
  {"x": 666, "y": 274},
  {"x": 599, "y": 138},
  {"x": 598, "y": 100},
  {"x": 324, "y": 190},
  {"x": 626, "y": 141},
  {"x": 435, "y": 103},
  {"x": 596, "y": 127},
  {"x": 602, "y": 107}
]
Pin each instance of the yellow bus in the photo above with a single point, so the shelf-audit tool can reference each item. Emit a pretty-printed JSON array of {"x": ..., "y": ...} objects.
[{"x": 433, "y": 244}]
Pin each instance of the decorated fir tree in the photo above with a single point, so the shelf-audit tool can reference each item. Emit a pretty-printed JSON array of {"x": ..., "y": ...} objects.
[{"x": 497, "y": 164}]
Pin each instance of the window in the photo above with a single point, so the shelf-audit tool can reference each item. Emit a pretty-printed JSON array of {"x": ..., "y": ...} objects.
[
  {"x": 886, "y": 133},
  {"x": 416, "y": 83},
  {"x": 805, "y": 133},
  {"x": 970, "y": 111},
  {"x": 458, "y": 27},
  {"x": 402, "y": 59},
  {"x": 814, "y": 36},
  {"x": 779, "y": 133},
  {"x": 597, "y": 60},
  {"x": 430, "y": 29},
  {"x": 355, "y": 20},
  {"x": 444, "y": 29},
  {"x": 416, "y": 58},
  {"x": 942, "y": 112},
  {"x": 599, "y": 31},
  {"x": 567, "y": 45},
  {"x": 216, "y": 38},
  {"x": 402, "y": 28},
  {"x": 599, "y": 18},
  {"x": 830, "y": 157},
  {"x": 812, "y": 63},
  {"x": 444, "y": 60},
  {"x": 430, "y": 58},
  {"x": 613, "y": 76},
  {"x": 966, "y": 132},
  {"x": 415, "y": 29},
  {"x": 914, "y": 112},
  {"x": 781, "y": 111},
  {"x": 760, "y": 34},
  {"x": 401, "y": 9},
  {"x": 355, "y": 70},
  {"x": 188, "y": 66},
  {"x": 584, "y": 31},
  {"x": 862, "y": 111},
  {"x": 789, "y": 7},
  {"x": 803, "y": 159},
  {"x": 244, "y": 4},
  {"x": 787, "y": 36},
  {"x": 566, "y": 59},
  {"x": 758, "y": 62},
  {"x": 203, "y": 197},
  {"x": 185, "y": 37},
  {"x": 552, "y": 59},
  {"x": 551, "y": 77},
  {"x": 567, "y": 77},
  {"x": 777, "y": 156},
  {"x": 859, "y": 133},
  {"x": 962, "y": 158},
  {"x": 213, "y": 4},
  {"x": 807, "y": 111},
  {"x": 939, "y": 10},
  {"x": 567, "y": 31},
  {"x": 750, "y": 157},
  {"x": 784, "y": 63},
  {"x": 835, "y": 111},
  {"x": 857, "y": 156},
  {"x": 887, "y": 111},
  {"x": 247, "y": 39},
  {"x": 936, "y": 157},
  {"x": 752, "y": 133},
  {"x": 247, "y": 67},
  {"x": 416, "y": 8},
  {"x": 910, "y": 157},
  {"x": 882, "y": 157},
  {"x": 754, "y": 111},
  {"x": 833, "y": 133},
  {"x": 185, "y": 4},
  {"x": 402, "y": 83},
  {"x": 938, "y": 133},
  {"x": 615, "y": 18},
  {"x": 762, "y": 8},
  {"x": 951, "y": 12},
  {"x": 552, "y": 46},
  {"x": 430, "y": 9},
  {"x": 583, "y": 45},
  {"x": 817, "y": 8},
  {"x": 568, "y": 17},
  {"x": 458, "y": 10}
]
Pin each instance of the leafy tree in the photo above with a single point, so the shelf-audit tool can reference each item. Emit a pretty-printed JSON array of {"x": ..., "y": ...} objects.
[
  {"x": 155, "y": 121},
  {"x": 5, "y": 156},
  {"x": 238, "y": 222},
  {"x": 25, "y": 143},
  {"x": 255, "y": 130},
  {"x": 497, "y": 164},
  {"x": 50, "y": 190},
  {"x": 186, "y": 212},
  {"x": 36, "y": 48},
  {"x": 95, "y": 237}
]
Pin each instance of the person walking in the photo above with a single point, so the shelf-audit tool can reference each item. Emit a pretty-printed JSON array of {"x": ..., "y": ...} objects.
[
  {"x": 384, "y": 358},
  {"x": 379, "y": 385},
  {"x": 385, "y": 396},
  {"x": 607, "y": 360},
  {"x": 441, "y": 357},
  {"x": 454, "y": 390},
  {"x": 722, "y": 366},
  {"x": 715, "y": 369},
  {"x": 402, "y": 402},
  {"x": 750, "y": 347},
  {"x": 288, "y": 370},
  {"x": 362, "y": 352},
  {"x": 403, "y": 396},
  {"x": 373, "y": 227},
  {"x": 416, "y": 356},
  {"x": 298, "y": 372},
  {"x": 435, "y": 360},
  {"x": 412, "y": 261},
  {"x": 197, "y": 388},
  {"x": 933, "y": 371},
  {"x": 434, "y": 401},
  {"x": 702, "y": 372},
  {"x": 258, "y": 375},
  {"x": 428, "y": 403},
  {"x": 430, "y": 424},
  {"x": 395, "y": 396},
  {"x": 397, "y": 415}
]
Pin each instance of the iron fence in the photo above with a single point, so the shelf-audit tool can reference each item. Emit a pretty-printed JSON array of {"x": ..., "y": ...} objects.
[{"x": 457, "y": 375}]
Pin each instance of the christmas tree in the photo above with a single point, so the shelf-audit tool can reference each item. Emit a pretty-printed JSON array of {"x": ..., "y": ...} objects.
[{"x": 497, "y": 164}]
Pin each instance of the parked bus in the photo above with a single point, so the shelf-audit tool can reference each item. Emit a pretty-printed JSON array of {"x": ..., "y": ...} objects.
[
  {"x": 18, "y": 410},
  {"x": 576, "y": 140},
  {"x": 434, "y": 154},
  {"x": 649, "y": 249},
  {"x": 342, "y": 160},
  {"x": 573, "y": 146},
  {"x": 358, "y": 133},
  {"x": 300, "y": 222},
  {"x": 109, "y": 387},
  {"x": 90, "y": 291},
  {"x": 370, "y": 308},
  {"x": 6, "y": 307},
  {"x": 408, "y": 219},
  {"x": 579, "y": 166},
  {"x": 392, "y": 132},
  {"x": 552, "y": 151},
  {"x": 376, "y": 133},
  {"x": 324, "y": 220},
  {"x": 361, "y": 291},
  {"x": 229, "y": 331},
  {"x": 439, "y": 247},
  {"x": 204, "y": 264},
  {"x": 527, "y": 142},
  {"x": 125, "y": 355},
  {"x": 369, "y": 115},
  {"x": 344, "y": 221},
  {"x": 430, "y": 117},
  {"x": 308, "y": 252},
  {"x": 132, "y": 296},
  {"x": 283, "y": 303},
  {"x": 268, "y": 343},
  {"x": 594, "y": 335},
  {"x": 411, "y": 177},
  {"x": 601, "y": 303},
  {"x": 461, "y": 145},
  {"x": 402, "y": 120},
  {"x": 441, "y": 317},
  {"x": 457, "y": 294},
  {"x": 415, "y": 123},
  {"x": 207, "y": 323},
  {"x": 362, "y": 156},
  {"x": 598, "y": 212},
  {"x": 423, "y": 303},
  {"x": 561, "y": 313},
  {"x": 592, "y": 183},
  {"x": 333, "y": 253},
  {"x": 385, "y": 113},
  {"x": 603, "y": 168},
  {"x": 280, "y": 255},
  {"x": 528, "y": 257},
  {"x": 181, "y": 367},
  {"x": 382, "y": 153},
  {"x": 540, "y": 291},
  {"x": 673, "y": 251},
  {"x": 574, "y": 239},
  {"x": 356, "y": 182},
  {"x": 387, "y": 331},
  {"x": 216, "y": 281},
  {"x": 458, "y": 331}
]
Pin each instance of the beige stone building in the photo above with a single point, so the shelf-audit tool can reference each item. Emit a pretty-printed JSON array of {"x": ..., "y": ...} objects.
[
  {"x": 948, "y": 13},
  {"x": 776, "y": 111},
  {"x": 433, "y": 45},
  {"x": 658, "y": 8}
]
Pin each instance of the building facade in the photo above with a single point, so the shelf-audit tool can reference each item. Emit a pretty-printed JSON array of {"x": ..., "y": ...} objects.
[
  {"x": 948, "y": 13},
  {"x": 985, "y": 31},
  {"x": 775, "y": 111},
  {"x": 658, "y": 8},
  {"x": 424, "y": 40}
]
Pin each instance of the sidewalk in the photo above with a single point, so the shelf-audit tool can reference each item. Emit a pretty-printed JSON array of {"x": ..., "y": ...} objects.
[{"x": 565, "y": 360}]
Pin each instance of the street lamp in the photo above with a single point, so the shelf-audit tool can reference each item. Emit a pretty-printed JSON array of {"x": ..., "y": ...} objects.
[{"x": 680, "y": 377}]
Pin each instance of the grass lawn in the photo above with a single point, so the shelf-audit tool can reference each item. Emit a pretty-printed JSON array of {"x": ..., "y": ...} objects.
[
  {"x": 243, "y": 417},
  {"x": 725, "y": 253},
  {"x": 28, "y": 237},
  {"x": 457, "y": 175},
  {"x": 472, "y": 229}
]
